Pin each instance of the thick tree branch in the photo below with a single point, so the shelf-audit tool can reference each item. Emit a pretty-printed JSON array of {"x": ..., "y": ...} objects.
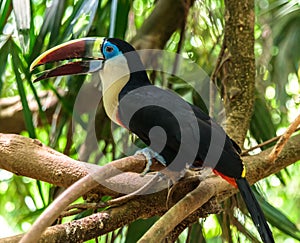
[
  {"x": 142, "y": 207},
  {"x": 191, "y": 202},
  {"x": 165, "y": 19},
  {"x": 238, "y": 68},
  {"x": 30, "y": 158},
  {"x": 11, "y": 111}
]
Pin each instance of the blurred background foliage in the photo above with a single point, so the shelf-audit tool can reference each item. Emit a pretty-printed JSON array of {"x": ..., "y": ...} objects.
[{"x": 29, "y": 27}]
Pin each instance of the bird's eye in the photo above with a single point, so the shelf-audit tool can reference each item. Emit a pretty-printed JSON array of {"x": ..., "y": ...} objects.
[{"x": 109, "y": 49}]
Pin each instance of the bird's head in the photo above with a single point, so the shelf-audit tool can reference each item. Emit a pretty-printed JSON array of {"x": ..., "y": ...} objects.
[
  {"x": 115, "y": 60},
  {"x": 86, "y": 55},
  {"x": 112, "y": 47}
]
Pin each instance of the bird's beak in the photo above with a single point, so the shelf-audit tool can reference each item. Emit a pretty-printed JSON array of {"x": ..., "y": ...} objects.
[{"x": 87, "y": 50}]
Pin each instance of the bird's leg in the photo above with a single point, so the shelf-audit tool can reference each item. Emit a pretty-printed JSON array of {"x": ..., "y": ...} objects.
[
  {"x": 202, "y": 173},
  {"x": 189, "y": 176},
  {"x": 149, "y": 155}
]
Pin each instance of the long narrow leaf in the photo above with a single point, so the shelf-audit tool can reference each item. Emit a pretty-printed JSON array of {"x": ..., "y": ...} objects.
[
  {"x": 5, "y": 10},
  {"x": 261, "y": 126},
  {"x": 55, "y": 28},
  {"x": 277, "y": 218},
  {"x": 46, "y": 26},
  {"x": 122, "y": 18},
  {"x": 196, "y": 234},
  {"x": 81, "y": 20},
  {"x": 4, "y": 51},
  {"x": 138, "y": 228},
  {"x": 67, "y": 26},
  {"x": 42, "y": 113},
  {"x": 23, "y": 18},
  {"x": 16, "y": 63},
  {"x": 113, "y": 18}
]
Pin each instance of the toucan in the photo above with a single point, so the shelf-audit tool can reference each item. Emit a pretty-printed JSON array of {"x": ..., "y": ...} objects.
[{"x": 178, "y": 134}]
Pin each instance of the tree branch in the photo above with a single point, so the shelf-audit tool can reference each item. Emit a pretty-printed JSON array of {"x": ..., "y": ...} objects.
[
  {"x": 141, "y": 207},
  {"x": 154, "y": 33},
  {"x": 11, "y": 111},
  {"x": 238, "y": 72},
  {"x": 165, "y": 19},
  {"x": 283, "y": 139}
]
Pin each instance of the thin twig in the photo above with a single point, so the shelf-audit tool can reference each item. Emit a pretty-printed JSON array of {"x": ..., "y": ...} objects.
[
  {"x": 73, "y": 192},
  {"x": 142, "y": 190},
  {"x": 79, "y": 207},
  {"x": 283, "y": 139},
  {"x": 70, "y": 213},
  {"x": 245, "y": 152},
  {"x": 84, "y": 206}
]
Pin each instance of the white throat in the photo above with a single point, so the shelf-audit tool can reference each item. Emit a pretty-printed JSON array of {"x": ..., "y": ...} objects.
[{"x": 114, "y": 76}]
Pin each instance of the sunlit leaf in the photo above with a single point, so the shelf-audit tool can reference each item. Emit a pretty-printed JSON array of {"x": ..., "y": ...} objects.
[
  {"x": 196, "y": 233},
  {"x": 48, "y": 22},
  {"x": 5, "y": 10},
  {"x": 81, "y": 20},
  {"x": 23, "y": 18},
  {"x": 278, "y": 219},
  {"x": 121, "y": 18},
  {"x": 59, "y": 8},
  {"x": 4, "y": 51}
]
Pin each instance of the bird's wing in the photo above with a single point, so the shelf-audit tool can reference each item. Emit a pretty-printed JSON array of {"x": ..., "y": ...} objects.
[{"x": 174, "y": 128}]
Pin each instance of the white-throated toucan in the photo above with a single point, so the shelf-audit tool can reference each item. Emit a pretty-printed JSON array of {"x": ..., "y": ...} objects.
[{"x": 179, "y": 132}]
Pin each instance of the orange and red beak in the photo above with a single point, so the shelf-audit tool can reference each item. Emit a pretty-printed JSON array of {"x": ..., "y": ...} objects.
[{"x": 88, "y": 50}]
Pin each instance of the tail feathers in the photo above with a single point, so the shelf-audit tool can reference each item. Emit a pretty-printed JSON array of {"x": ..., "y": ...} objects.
[{"x": 255, "y": 211}]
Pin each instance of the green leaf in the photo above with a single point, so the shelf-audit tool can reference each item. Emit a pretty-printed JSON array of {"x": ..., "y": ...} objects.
[
  {"x": 4, "y": 51},
  {"x": 198, "y": 101},
  {"x": 81, "y": 20},
  {"x": 84, "y": 214},
  {"x": 196, "y": 234},
  {"x": 261, "y": 125},
  {"x": 5, "y": 10},
  {"x": 121, "y": 20},
  {"x": 138, "y": 228},
  {"x": 40, "y": 190},
  {"x": 183, "y": 90},
  {"x": 57, "y": 131},
  {"x": 59, "y": 7},
  {"x": 17, "y": 66},
  {"x": 48, "y": 21},
  {"x": 23, "y": 18},
  {"x": 276, "y": 218}
]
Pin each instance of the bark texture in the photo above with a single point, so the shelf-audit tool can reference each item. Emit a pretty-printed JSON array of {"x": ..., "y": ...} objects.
[
  {"x": 15, "y": 154},
  {"x": 165, "y": 19},
  {"x": 238, "y": 67},
  {"x": 11, "y": 111}
]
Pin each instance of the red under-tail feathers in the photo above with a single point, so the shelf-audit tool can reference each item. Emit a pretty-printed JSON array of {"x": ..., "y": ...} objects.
[{"x": 252, "y": 205}]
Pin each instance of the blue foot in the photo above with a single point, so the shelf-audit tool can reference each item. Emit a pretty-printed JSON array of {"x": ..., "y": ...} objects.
[{"x": 150, "y": 154}]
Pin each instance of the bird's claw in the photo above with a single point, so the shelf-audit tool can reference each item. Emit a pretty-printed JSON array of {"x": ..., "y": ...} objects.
[{"x": 149, "y": 155}]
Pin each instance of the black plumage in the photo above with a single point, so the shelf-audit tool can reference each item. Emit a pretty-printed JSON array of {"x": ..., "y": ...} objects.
[{"x": 143, "y": 107}]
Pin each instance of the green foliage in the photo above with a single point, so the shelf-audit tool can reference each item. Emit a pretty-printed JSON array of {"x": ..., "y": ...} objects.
[
  {"x": 43, "y": 24},
  {"x": 138, "y": 228},
  {"x": 274, "y": 215}
]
